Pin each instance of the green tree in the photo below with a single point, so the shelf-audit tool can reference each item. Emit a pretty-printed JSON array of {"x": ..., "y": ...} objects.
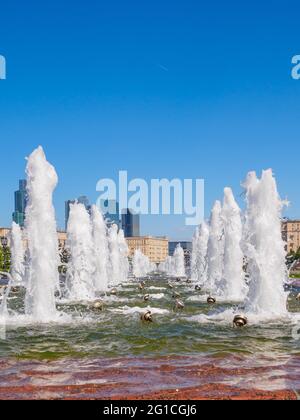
[{"x": 5, "y": 259}]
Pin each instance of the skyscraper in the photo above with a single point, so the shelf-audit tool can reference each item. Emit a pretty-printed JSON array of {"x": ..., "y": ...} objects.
[
  {"x": 130, "y": 223},
  {"x": 111, "y": 212},
  {"x": 82, "y": 200},
  {"x": 20, "y": 203}
]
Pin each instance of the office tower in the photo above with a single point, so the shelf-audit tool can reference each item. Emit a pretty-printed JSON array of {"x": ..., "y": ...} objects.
[
  {"x": 111, "y": 212},
  {"x": 130, "y": 223},
  {"x": 20, "y": 203}
]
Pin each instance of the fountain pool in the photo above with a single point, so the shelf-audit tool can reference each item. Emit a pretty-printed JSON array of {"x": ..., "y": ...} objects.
[{"x": 113, "y": 347}]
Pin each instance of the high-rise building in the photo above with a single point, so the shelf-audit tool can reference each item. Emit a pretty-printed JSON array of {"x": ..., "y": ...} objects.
[
  {"x": 130, "y": 223},
  {"x": 111, "y": 212},
  {"x": 82, "y": 200},
  {"x": 20, "y": 203}
]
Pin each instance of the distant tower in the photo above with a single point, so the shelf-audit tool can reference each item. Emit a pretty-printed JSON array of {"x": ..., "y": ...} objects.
[
  {"x": 130, "y": 223},
  {"x": 111, "y": 212},
  {"x": 20, "y": 203}
]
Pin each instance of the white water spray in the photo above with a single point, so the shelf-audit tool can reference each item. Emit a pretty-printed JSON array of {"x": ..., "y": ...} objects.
[
  {"x": 167, "y": 266},
  {"x": 42, "y": 239},
  {"x": 233, "y": 286},
  {"x": 215, "y": 249},
  {"x": 124, "y": 252},
  {"x": 114, "y": 254},
  {"x": 199, "y": 253},
  {"x": 100, "y": 249},
  {"x": 81, "y": 268},
  {"x": 264, "y": 247},
  {"x": 179, "y": 263},
  {"x": 141, "y": 265},
  {"x": 17, "y": 255}
]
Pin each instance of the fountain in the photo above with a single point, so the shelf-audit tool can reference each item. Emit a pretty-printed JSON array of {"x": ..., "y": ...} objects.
[
  {"x": 264, "y": 247},
  {"x": 17, "y": 255},
  {"x": 43, "y": 279},
  {"x": 232, "y": 286},
  {"x": 114, "y": 253},
  {"x": 199, "y": 254},
  {"x": 166, "y": 266},
  {"x": 124, "y": 251},
  {"x": 81, "y": 268},
  {"x": 215, "y": 249},
  {"x": 179, "y": 263},
  {"x": 140, "y": 264},
  {"x": 100, "y": 249}
]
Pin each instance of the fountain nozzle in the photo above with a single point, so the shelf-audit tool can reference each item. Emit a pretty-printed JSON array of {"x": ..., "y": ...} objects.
[
  {"x": 211, "y": 300},
  {"x": 179, "y": 304},
  {"x": 147, "y": 317},
  {"x": 240, "y": 321},
  {"x": 98, "y": 305}
]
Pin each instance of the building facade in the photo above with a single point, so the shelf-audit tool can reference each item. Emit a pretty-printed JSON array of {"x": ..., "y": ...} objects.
[
  {"x": 5, "y": 234},
  {"x": 130, "y": 223},
  {"x": 156, "y": 249},
  {"x": 291, "y": 234},
  {"x": 20, "y": 203}
]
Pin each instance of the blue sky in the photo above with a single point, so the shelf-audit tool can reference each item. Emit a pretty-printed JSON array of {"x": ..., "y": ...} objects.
[{"x": 187, "y": 89}]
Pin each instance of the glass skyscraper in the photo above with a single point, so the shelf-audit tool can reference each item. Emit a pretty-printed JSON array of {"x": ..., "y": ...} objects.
[
  {"x": 111, "y": 212},
  {"x": 20, "y": 203},
  {"x": 130, "y": 223}
]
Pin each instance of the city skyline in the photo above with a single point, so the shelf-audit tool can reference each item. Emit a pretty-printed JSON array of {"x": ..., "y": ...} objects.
[
  {"x": 20, "y": 203},
  {"x": 205, "y": 92}
]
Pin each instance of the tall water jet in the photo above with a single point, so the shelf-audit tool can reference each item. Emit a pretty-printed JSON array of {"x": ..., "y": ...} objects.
[
  {"x": 264, "y": 247},
  {"x": 194, "y": 266},
  {"x": 179, "y": 263},
  {"x": 81, "y": 267},
  {"x": 100, "y": 249},
  {"x": 167, "y": 266},
  {"x": 114, "y": 256},
  {"x": 43, "y": 278},
  {"x": 233, "y": 286},
  {"x": 124, "y": 252},
  {"x": 141, "y": 265},
  {"x": 199, "y": 253},
  {"x": 17, "y": 255},
  {"x": 215, "y": 249}
]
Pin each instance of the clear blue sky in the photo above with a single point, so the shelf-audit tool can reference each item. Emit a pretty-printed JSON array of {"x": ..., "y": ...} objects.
[{"x": 188, "y": 89}]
